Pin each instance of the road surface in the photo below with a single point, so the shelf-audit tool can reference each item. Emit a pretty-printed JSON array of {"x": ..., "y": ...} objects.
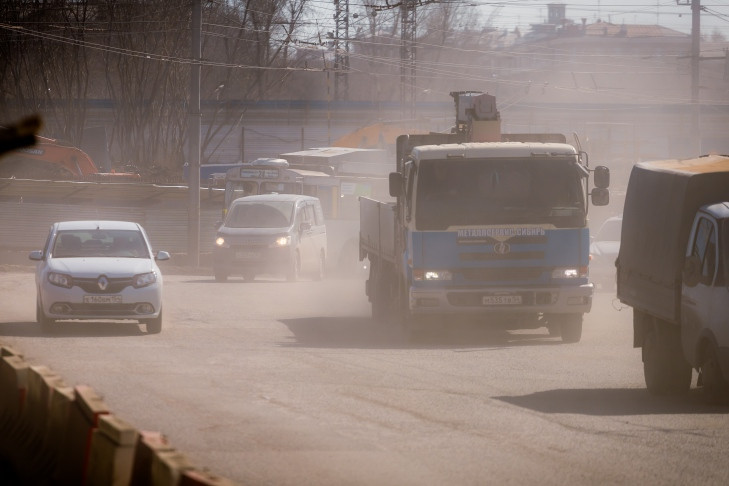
[{"x": 270, "y": 382}]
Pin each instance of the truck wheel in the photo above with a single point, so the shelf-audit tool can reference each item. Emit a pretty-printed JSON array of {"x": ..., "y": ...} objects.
[
  {"x": 664, "y": 367},
  {"x": 715, "y": 387},
  {"x": 570, "y": 328}
]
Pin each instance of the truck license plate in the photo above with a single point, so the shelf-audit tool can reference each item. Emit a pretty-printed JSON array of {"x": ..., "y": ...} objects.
[
  {"x": 102, "y": 299},
  {"x": 501, "y": 300}
]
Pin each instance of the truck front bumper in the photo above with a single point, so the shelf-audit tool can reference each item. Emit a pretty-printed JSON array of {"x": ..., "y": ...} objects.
[{"x": 545, "y": 300}]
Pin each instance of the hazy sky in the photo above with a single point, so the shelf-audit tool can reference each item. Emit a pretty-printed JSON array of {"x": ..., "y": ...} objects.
[
  {"x": 508, "y": 14},
  {"x": 715, "y": 14}
]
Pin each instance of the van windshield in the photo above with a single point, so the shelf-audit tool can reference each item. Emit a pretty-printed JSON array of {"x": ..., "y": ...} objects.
[{"x": 261, "y": 214}]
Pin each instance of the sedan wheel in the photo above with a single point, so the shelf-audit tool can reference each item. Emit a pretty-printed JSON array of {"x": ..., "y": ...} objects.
[
  {"x": 154, "y": 326},
  {"x": 45, "y": 322}
]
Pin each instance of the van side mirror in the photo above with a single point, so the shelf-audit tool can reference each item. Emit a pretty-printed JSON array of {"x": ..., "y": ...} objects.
[
  {"x": 602, "y": 177},
  {"x": 691, "y": 271},
  {"x": 162, "y": 256},
  {"x": 600, "y": 197},
  {"x": 396, "y": 184},
  {"x": 304, "y": 226},
  {"x": 36, "y": 255}
]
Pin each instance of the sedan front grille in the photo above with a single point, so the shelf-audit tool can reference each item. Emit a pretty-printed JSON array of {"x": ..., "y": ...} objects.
[{"x": 115, "y": 285}]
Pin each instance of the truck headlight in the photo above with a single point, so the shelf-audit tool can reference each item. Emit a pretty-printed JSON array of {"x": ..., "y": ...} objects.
[
  {"x": 60, "y": 280},
  {"x": 432, "y": 275},
  {"x": 570, "y": 272},
  {"x": 144, "y": 279},
  {"x": 282, "y": 241}
]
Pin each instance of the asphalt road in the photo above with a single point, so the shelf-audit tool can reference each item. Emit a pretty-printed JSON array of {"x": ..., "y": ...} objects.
[{"x": 282, "y": 383}]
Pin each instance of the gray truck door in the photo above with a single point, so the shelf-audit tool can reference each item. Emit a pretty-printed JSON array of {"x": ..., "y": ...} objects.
[{"x": 700, "y": 303}]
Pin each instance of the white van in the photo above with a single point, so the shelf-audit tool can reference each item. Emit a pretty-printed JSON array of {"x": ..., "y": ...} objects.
[{"x": 271, "y": 233}]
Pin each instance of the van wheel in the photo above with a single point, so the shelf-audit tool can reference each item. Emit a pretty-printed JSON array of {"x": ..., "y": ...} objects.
[
  {"x": 319, "y": 275},
  {"x": 221, "y": 277},
  {"x": 715, "y": 387},
  {"x": 294, "y": 268},
  {"x": 664, "y": 367}
]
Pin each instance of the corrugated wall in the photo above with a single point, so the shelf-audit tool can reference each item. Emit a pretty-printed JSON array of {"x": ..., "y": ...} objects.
[{"x": 24, "y": 221}]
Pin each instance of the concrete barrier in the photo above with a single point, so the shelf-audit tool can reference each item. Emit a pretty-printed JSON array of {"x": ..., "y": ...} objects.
[
  {"x": 51, "y": 433},
  {"x": 83, "y": 419},
  {"x": 112, "y": 453}
]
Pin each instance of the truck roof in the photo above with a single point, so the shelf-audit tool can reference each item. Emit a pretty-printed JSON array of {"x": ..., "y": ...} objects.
[
  {"x": 477, "y": 150},
  {"x": 689, "y": 167}
]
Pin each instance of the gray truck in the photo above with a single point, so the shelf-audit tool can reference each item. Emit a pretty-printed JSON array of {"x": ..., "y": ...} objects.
[{"x": 673, "y": 270}]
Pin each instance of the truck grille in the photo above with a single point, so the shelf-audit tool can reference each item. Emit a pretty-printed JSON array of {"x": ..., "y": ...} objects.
[{"x": 501, "y": 274}]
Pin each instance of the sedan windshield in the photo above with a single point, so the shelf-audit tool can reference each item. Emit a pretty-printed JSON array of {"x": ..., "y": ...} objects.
[
  {"x": 99, "y": 243},
  {"x": 268, "y": 214}
]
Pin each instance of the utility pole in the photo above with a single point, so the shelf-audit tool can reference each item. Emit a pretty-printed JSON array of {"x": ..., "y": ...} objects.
[
  {"x": 341, "y": 49},
  {"x": 407, "y": 57},
  {"x": 193, "y": 232},
  {"x": 695, "y": 56}
]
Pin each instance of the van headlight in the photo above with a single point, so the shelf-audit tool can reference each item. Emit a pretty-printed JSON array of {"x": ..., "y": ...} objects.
[
  {"x": 282, "y": 241},
  {"x": 569, "y": 272},
  {"x": 220, "y": 242},
  {"x": 432, "y": 275}
]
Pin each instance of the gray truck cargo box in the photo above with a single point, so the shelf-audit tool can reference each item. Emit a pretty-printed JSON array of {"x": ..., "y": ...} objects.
[
  {"x": 377, "y": 229},
  {"x": 660, "y": 205}
]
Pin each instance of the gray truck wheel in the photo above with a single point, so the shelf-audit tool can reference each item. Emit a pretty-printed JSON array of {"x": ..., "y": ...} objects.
[
  {"x": 664, "y": 367},
  {"x": 715, "y": 387},
  {"x": 570, "y": 328}
]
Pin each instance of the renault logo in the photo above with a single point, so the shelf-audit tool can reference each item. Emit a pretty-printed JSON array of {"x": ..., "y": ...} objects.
[
  {"x": 103, "y": 282},
  {"x": 502, "y": 248}
]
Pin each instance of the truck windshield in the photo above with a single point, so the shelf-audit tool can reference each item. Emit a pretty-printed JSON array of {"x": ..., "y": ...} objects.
[
  {"x": 480, "y": 192},
  {"x": 269, "y": 214}
]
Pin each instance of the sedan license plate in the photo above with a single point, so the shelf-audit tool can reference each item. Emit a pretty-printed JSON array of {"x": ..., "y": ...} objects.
[
  {"x": 246, "y": 255},
  {"x": 501, "y": 300},
  {"x": 102, "y": 299}
]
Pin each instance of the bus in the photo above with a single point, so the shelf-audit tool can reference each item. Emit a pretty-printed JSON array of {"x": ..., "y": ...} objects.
[{"x": 339, "y": 196}]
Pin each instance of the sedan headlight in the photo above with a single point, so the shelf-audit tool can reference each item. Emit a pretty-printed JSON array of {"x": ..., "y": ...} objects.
[
  {"x": 282, "y": 241},
  {"x": 60, "y": 280},
  {"x": 144, "y": 279},
  {"x": 432, "y": 275},
  {"x": 570, "y": 272}
]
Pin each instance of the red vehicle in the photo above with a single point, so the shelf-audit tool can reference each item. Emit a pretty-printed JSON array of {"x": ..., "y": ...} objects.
[{"x": 51, "y": 159}]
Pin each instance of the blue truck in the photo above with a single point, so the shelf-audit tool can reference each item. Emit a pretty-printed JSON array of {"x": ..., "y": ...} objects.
[{"x": 485, "y": 226}]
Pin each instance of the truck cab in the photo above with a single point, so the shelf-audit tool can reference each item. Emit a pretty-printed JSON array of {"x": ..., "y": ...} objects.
[{"x": 705, "y": 291}]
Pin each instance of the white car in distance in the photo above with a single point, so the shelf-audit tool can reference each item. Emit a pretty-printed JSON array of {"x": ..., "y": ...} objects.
[{"x": 94, "y": 270}]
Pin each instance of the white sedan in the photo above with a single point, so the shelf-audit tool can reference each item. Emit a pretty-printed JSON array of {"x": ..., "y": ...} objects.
[{"x": 95, "y": 270}]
